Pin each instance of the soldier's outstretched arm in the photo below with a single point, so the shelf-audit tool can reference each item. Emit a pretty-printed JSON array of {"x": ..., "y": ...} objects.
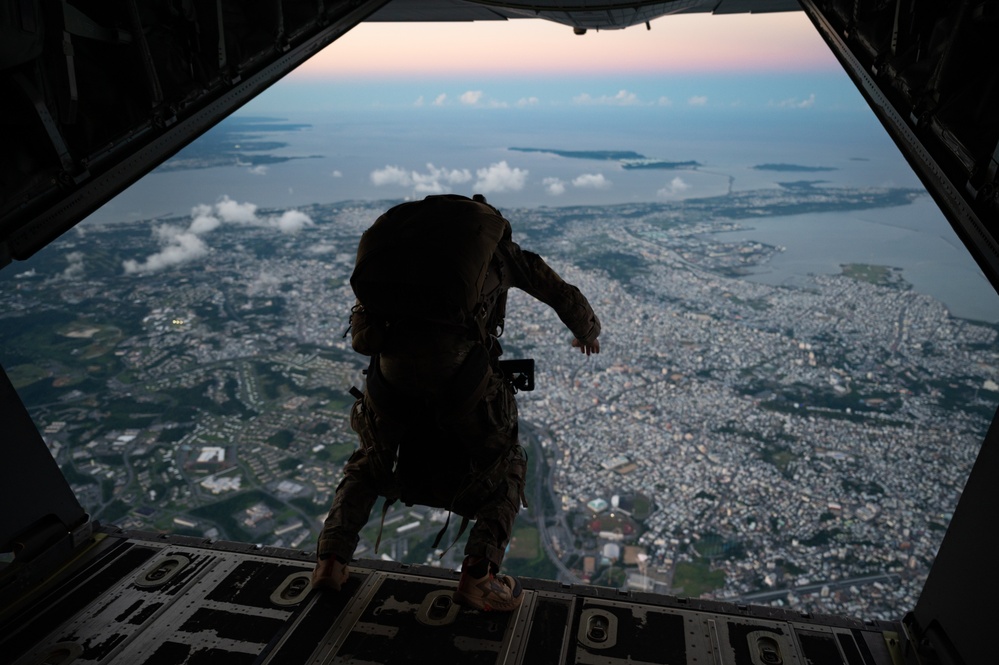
[{"x": 529, "y": 272}]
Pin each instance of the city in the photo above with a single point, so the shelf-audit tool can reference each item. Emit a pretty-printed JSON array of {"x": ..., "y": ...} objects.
[{"x": 795, "y": 446}]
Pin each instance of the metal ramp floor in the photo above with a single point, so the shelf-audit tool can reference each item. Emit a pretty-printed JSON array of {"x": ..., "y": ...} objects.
[{"x": 146, "y": 599}]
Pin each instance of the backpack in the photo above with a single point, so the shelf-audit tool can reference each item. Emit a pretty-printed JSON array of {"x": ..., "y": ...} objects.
[{"x": 427, "y": 260}]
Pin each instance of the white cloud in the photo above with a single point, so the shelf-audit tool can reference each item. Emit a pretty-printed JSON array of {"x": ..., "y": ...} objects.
[
  {"x": 626, "y": 98},
  {"x": 290, "y": 221},
  {"x": 240, "y": 213},
  {"x": 259, "y": 169},
  {"x": 471, "y": 97},
  {"x": 794, "y": 103},
  {"x": 665, "y": 101},
  {"x": 676, "y": 187},
  {"x": 180, "y": 245},
  {"x": 441, "y": 99},
  {"x": 336, "y": 174},
  {"x": 622, "y": 98},
  {"x": 591, "y": 181},
  {"x": 75, "y": 267},
  {"x": 391, "y": 175},
  {"x": 263, "y": 283},
  {"x": 419, "y": 101},
  {"x": 458, "y": 176},
  {"x": 227, "y": 211},
  {"x": 555, "y": 186},
  {"x": 433, "y": 181},
  {"x": 500, "y": 177},
  {"x": 698, "y": 100},
  {"x": 201, "y": 209},
  {"x": 527, "y": 101},
  {"x": 203, "y": 221}
]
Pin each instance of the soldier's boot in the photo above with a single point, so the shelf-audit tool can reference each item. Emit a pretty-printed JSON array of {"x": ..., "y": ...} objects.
[
  {"x": 489, "y": 592},
  {"x": 329, "y": 574}
]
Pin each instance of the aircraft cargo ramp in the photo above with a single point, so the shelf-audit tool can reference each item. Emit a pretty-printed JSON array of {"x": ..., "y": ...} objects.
[{"x": 149, "y": 599}]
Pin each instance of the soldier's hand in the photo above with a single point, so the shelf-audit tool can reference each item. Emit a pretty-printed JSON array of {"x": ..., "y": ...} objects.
[{"x": 586, "y": 347}]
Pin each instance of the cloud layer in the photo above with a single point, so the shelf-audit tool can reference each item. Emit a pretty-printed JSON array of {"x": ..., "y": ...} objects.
[{"x": 482, "y": 100}]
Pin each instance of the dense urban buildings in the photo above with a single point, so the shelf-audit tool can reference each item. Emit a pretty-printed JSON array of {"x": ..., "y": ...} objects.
[{"x": 800, "y": 446}]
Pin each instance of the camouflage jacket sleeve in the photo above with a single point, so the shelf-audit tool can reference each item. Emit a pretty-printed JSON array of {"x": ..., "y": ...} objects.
[{"x": 529, "y": 272}]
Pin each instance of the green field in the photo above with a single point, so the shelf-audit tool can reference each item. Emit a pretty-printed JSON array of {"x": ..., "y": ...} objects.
[
  {"x": 695, "y": 578},
  {"x": 25, "y": 375},
  {"x": 336, "y": 453},
  {"x": 526, "y": 557},
  {"x": 873, "y": 274},
  {"x": 524, "y": 544}
]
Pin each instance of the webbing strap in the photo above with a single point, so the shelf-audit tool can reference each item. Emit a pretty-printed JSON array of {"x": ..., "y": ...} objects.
[
  {"x": 385, "y": 506},
  {"x": 440, "y": 534}
]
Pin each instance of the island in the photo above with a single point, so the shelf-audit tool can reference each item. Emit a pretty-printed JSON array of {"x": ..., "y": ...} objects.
[{"x": 628, "y": 159}]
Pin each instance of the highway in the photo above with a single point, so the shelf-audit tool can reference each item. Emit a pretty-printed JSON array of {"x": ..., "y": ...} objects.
[
  {"x": 544, "y": 537},
  {"x": 775, "y": 594}
]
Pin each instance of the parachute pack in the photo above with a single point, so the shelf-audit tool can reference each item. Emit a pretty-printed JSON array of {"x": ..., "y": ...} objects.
[{"x": 427, "y": 260}]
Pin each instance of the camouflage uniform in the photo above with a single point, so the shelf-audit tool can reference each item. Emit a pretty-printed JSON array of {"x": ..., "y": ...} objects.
[{"x": 437, "y": 405}]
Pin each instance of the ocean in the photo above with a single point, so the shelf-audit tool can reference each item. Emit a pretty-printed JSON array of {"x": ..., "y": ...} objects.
[{"x": 392, "y": 153}]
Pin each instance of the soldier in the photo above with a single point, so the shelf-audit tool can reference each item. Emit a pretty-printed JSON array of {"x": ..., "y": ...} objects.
[{"x": 437, "y": 421}]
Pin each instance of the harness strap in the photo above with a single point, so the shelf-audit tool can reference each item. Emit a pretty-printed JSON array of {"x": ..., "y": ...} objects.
[
  {"x": 440, "y": 534},
  {"x": 385, "y": 506}
]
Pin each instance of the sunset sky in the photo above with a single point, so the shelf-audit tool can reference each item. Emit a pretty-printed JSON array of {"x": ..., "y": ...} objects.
[
  {"x": 699, "y": 59},
  {"x": 696, "y": 43}
]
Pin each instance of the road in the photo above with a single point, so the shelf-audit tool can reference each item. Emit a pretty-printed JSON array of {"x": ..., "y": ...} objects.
[
  {"x": 544, "y": 536},
  {"x": 775, "y": 594}
]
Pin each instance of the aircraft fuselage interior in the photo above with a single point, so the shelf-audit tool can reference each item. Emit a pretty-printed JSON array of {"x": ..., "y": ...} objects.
[{"x": 97, "y": 94}]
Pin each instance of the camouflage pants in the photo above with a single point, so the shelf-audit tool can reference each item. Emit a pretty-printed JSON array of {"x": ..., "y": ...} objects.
[{"x": 471, "y": 464}]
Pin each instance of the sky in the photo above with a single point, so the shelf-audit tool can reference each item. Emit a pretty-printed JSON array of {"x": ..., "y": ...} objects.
[
  {"x": 696, "y": 43},
  {"x": 697, "y": 60}
]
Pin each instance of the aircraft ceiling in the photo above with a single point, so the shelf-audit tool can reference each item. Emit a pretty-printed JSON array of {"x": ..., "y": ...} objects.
[{"x": 581, "y": 15}]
